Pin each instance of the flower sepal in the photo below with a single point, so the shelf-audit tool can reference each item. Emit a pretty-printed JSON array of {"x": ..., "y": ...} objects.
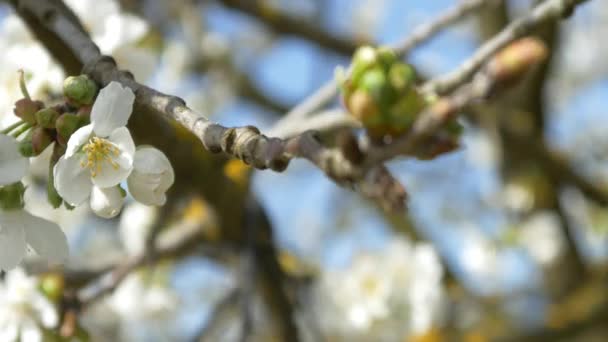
[{"x": 11, "y": 196}]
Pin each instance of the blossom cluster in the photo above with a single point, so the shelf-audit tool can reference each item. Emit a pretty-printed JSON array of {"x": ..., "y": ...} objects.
[
  {"x": 93, "y": 157},
  {"x": 384, "y": 296}
]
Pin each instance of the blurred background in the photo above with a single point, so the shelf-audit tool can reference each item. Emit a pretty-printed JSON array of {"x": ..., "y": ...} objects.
[{"x": 499, "y": 241}]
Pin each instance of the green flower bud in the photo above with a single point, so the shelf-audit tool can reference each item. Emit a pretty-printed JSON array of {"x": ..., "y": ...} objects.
[
  {"x": 386, "y": 56},
  {"x": 52, "y": 286},
  {"x": 401, "y": 76},
  {"x": 364, "y": 58},
  {"x": 25, "y": 146},
  {"x": 26, "y": 110},
  {"x": 46, "y": 117},
  {"x": 373, "y": 81},
  {"x": 11, "y": 196},
  {"x": 362, "y": 106},
  {"x": 67, "y": 124},
  {"x": 80, "y": 89},
  {"x": 41, "y": 139},
  {"x": 84, "y": 113}
]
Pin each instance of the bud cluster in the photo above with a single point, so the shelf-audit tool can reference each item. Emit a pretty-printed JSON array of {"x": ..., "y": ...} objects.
[
  {"x": 44, "y": 125},
  {"x": 380, "y": 92}
]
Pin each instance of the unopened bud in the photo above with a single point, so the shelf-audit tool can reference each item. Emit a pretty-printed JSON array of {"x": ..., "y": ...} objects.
[
  {"x": 11, "y": 196},
  {"x": 46, "y": 117},
  {"x": 364, "y": 58},
  {"x": 26, "y": 110},
  {"x": 67, "y": 124},
  {"x": 80, "y": 89},
  {"x": 374, "y": 82},
  {"x": 41, "y": 139},
  {"x": 84, "y": 113},
  {"x": 401, "y": 76},
  {"x": 52, "y": 286},
  {"x": 362, "y": 106},
  {"x": 25, "y": 146},
  {"x": 387, "y": 56},
  {"x": 516, "y": 59}
]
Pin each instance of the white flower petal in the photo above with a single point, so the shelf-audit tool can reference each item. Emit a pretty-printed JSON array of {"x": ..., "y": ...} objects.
[
  {"x": 13, "y": 165},
  {"x": 47, "y": 314},
  {"x": 12, "y": 239},
  {"x": 77, "y": 139},
  {"x": 121, "y": 137},
  {"x": 30, "y": 331},
  {"x": 9, "y": 329},
  {"x": 111, "y": 109},
  {"x": 46, "y": 238},
  {"x": 152, "y": 176},
  {"x": 121, "y": 29},
  {"x": 106, "y": 202},
  {"x": 72, "y": 181}
]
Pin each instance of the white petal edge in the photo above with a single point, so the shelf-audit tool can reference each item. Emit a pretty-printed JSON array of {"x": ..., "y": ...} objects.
[
  {"x": 13, "y": 165},
  {"x": 72, "y": 181},
  {"x": 108, "y": 202},
  {"x": 46, "y": 238},
  {"x": 78, "y": 138},
  {"x": 112, "y": 109},
  {"x": 12, "y": 239},
  {"x": 143, "y": 189},
  {"x": 152, "y": 176}
]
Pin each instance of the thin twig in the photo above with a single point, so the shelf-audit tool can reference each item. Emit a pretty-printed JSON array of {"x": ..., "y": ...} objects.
[
  {"x": 325, "y": 121},
  {"x": 545, "y": 11}
]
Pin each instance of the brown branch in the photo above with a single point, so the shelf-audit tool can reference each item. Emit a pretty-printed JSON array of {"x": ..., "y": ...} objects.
[
  {"x": 286, "y": 24},
  {"x": 546, "y": 11},
  {"x": 108, "y": 281},
  {"x": 245, "y": 143}
]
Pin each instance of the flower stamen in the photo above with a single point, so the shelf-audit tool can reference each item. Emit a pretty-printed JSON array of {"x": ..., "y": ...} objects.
[{"x": 99, "y": 150}]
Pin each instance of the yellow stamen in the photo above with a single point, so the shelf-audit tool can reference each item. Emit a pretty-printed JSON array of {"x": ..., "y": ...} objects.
[{"x": 99, "y": 150}]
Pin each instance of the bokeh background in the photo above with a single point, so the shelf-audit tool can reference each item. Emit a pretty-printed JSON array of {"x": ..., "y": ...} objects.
[{"x": 493, "y": 246}]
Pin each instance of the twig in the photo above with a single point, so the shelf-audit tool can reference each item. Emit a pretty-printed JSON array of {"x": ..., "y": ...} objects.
[
  {"x": 284, "y": 23},
  {"x": 429, "y": 29},
  {"x": 325, "y": 121},
  {"x": 220, "y": 311},
  {"x": 107, "y": 282},
  {"x": 545, "y": 11}
]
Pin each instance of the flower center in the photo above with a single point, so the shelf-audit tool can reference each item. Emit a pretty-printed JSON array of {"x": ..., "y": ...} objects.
[{"x": 99, "y": 150}]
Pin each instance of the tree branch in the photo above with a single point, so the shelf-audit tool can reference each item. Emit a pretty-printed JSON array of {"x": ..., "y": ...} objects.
[
  {"x": 287, "y": 24},
  {"x": 546, "y": 11},
  {"x": 245, "y": 143}
]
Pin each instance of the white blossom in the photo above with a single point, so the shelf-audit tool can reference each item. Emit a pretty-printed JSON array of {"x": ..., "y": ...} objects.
[
  {"x": 136, "y": 222},
  {"x": 107, "y": 202},
  {"x": 146, "y": 308},
  {"x": 13, "y": 165},
  {"x": 152, "y": 176},
  {"x": 398, "y": 289},
  {"x": 99, "y": 155},
  {"x": 542, "y": 238},
  {"x": 23, "y": 309},
  {"x": 18, "y": 228}
]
